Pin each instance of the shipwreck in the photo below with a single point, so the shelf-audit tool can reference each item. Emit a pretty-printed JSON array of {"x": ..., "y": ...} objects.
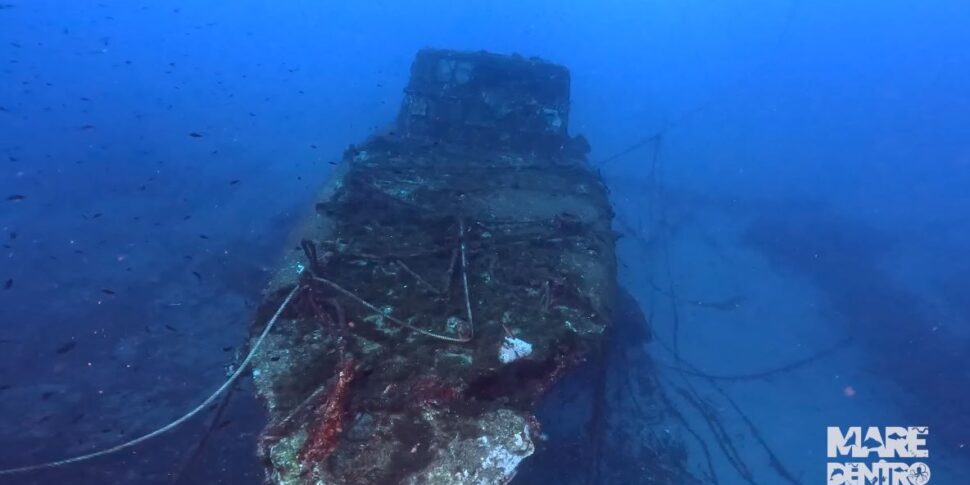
[{"x": 452, "y": 270}]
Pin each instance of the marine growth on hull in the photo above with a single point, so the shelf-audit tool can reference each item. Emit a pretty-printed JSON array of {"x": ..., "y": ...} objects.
[{"x": 452, "y": 271}]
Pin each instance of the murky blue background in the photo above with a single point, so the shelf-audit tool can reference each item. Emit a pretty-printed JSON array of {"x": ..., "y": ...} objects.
[{"x": 806, "y": 162}]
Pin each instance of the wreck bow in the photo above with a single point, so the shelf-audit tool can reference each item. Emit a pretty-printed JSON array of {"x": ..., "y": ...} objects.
[{"x": 453, "y": 269}]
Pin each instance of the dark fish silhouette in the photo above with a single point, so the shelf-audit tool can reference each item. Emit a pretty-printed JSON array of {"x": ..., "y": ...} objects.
[
  {"x": 67, "y": 347},
  {"x": 195, "y": 135},
  {"x": 8, "y": 284},
  {"x": 107, "y": 291},
  {"x": 16, "y": 197},
  {"x": 197, "y": 275}
]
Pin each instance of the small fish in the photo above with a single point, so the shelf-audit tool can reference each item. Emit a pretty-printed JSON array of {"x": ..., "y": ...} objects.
[
  {"x": 223, "y": 424},
  {"x": 86, "y": 127},
  {"x": 66, "y": 347},
  {"x": 234, "y": 182},
  {"x": 13, "y": 235},
  {"x": 16, "y": 197},
  {"x": 203, "y": 236},
  {"x": 173, "y": 329},
  {"x": 728, "y": 304},
  {"x": 107, "y": 291},
  {"x": 5, "y": 387},
  {"x": 195, "y": 134},
  {"x": 8, "y": 284},
  {"x": 47, "y": 395},
  {"x": 227, "y": 349},
  {"x": 197, "y": 275}
]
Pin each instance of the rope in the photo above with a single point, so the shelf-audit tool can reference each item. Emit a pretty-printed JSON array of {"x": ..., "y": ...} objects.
[
  {"x": 714, "y": 98},
  {"x": 402, "y": 323},
  {"x": 464, "y": 280},
  {"x": 172, "y": 425},
  {"x": 391, "y": 318}
]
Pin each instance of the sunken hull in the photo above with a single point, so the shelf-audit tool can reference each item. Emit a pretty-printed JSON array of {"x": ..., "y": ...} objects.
[{"x": 451, "y": 272}]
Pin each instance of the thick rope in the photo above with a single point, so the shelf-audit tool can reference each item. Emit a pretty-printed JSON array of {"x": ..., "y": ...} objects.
[{"x": 172, "y": 425}]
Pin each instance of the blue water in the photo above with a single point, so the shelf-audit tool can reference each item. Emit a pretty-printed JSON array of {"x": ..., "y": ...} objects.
[{"x": 792, "y": 182}]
